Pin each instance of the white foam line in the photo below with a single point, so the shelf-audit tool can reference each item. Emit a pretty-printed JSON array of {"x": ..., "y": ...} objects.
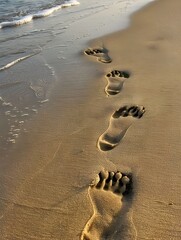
[
  {"x": 46, "y": 12},
  {"x": 16, "y": 61},
  {"x": 40, "y": 14},
  {"x": 21, "y": 21}
]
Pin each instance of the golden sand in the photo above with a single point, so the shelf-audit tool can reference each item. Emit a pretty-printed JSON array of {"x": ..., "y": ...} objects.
[{"x": 51, "y": 196}]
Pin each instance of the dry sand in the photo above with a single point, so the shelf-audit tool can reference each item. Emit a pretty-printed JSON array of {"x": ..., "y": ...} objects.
[{"x": 48, "y": 194}]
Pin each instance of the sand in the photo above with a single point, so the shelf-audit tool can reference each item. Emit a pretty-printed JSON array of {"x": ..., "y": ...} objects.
[{"x": 50, "y": 187}]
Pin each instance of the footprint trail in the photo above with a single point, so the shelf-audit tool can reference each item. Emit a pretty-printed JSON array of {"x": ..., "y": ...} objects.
[{"x": 119, "y": 123}]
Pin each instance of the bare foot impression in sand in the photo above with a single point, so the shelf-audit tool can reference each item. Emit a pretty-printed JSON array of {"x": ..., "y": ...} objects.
[
  {"x": 106, "y": 194},
  {"x": 119, "y": 123},
  {"x": 100, "y": 53},
  {"x": 115, "y": 80}
]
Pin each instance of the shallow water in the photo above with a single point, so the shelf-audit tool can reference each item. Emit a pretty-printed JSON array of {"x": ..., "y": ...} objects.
[{"x": 14, "y": 9}]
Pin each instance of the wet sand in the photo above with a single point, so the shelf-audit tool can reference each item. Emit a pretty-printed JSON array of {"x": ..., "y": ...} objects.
[{"x": 45, "y": 179}]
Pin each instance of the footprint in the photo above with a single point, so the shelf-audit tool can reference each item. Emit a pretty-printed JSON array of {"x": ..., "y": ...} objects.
[
  {"x": 119, "y": 123},
  {"x": 115, "y": 80},
  {"x": 106, "y": 194},
  {"x": 100, "y": 53}
]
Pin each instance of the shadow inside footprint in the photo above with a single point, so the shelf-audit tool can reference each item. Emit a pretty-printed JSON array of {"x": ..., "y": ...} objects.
[
  {"x": 106, "y": 194},
  {"x": 119, "y": 123},
  {"x": 115, "y": 81},
  {"x": 100, "y": 53},
  {"x": 134, "y": 111}
]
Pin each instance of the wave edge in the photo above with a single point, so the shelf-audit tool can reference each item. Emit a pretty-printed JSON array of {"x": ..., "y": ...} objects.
[{"x": 40, "y": 14}]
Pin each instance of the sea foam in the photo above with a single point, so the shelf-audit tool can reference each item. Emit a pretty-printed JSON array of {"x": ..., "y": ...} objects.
[
  {"x": 16, "y": 61},
  {"x": 40, "y": 14},
  {"x": 46, "y": 12},
  {"x": 21, "y": 21}
]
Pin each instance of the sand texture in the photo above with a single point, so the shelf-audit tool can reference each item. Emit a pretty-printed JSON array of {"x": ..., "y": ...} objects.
[{"x": 106, "y": 165}]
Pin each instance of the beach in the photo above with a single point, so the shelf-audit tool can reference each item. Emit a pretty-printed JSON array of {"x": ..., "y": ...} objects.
[{"x": 101, "y": 158}]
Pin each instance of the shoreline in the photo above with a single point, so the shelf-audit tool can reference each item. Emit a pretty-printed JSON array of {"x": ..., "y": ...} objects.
[
  {"x": 59, "y": 158},
  {"x": 58, "y": 54}
]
